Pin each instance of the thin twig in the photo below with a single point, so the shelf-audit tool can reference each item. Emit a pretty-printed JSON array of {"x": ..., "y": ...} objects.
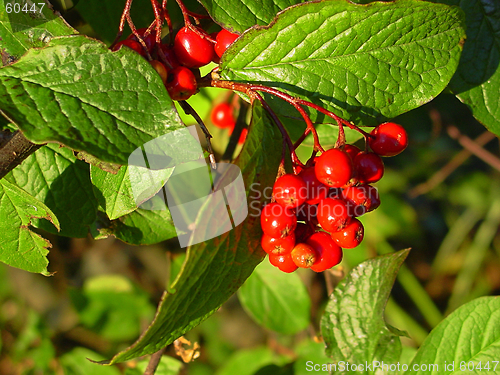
[
  {"x": 473, "y": 147},
  {"x": 154, "y": 361},
  {"x": 453, "y": 164},
  {"x": 190, "y": 111}
]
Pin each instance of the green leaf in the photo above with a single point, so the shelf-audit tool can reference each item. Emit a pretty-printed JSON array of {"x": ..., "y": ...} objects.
[
  {"x": 469, "y": 334},
  {"x": 75, "y": 362},
  {"x": 353, "y": 325},
  {"x": 78, "y": 93},
  {"x": 276, "y": 300},
  {"x": 114, "y": 191},
  {"x": 21, "y": 247},
  {"x": 144, "y": 226},
  {"x": 248, "y": 362},
  {"x": 240, "y": 15},
  {"x": 20, "y": 31},
  {"x": 54, "y": 176},
  {"x": 216, "y": 268},
  {"x": 112, "y": 306},
  {"x": 366, "y": 63},
  {"x": 477, "y": 80}
]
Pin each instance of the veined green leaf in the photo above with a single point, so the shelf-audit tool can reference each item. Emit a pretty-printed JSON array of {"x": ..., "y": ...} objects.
[
  {"x": 366, "y": 63},
  {"x": 21, "y": 247},
  {"x": 216, "y": 268},
  {"x": 78, "y": 93}
]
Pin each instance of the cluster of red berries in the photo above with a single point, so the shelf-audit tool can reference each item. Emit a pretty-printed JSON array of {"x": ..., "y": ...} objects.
[
  {"x": 314, "y": 213},
  {"x": 177, "y": 64},
  {"x": 222, "y": 117}
]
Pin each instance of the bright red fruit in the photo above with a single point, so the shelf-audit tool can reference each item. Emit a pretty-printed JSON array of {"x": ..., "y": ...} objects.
[
  {"x": 290, "y": 190},
  {"x": 329, "y": 253},
  {"x": 283, "y": 261},
  {"x": 304, "y": 255},
  {"x": 181, "y": 83},
  {"x": 388, "y": 139},
  {"x": 350, "y": 236},
  {"x": 224, "y": 39},
  {"x": 132, "y": 44},
  {"x": 191, "y": 49},
  {"x": 351, "y": 150},
  {"x": 374, "y": 197},
  {"x": 149, "y": 40},
  {"x": 277, "y": 245},
  {"x": 334, "y": 168},
  {"x": 369, "y": 167},
  {"x": 333, "y": 214},
  {"x": 358, "y": 200},
  {"x": 316, "y": 191},
  {"x": 277, "y": 221},
  {"x": 222, "y": 116}
]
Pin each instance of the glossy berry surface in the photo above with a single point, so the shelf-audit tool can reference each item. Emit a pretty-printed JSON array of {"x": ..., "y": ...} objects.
[
  {"x": 283, "y": 261},
  {"x": 333, "y": 214},
  {"x": 149, "y": 40},
  {"x": 223, "y": 40},
  {"x": 222, "y": 116},
  {"x": 369, "y": 167},
  {"x": 358, "y": 200},
  {"x": 181, "y": 83},
  {"x": 374, "y": 198},
  {"x": 334, "y": 168},
  {"x": 351, "y": 150},
  {"x": 315, "y": 190},
  {"x": 290, "y": 191},
  {"x": 191, "y": 49},
  {"x": 329, "y": 253},
  {"x": 276, "y": 221},
  {"x": 304, "y": 255},
  {"x": 278, "y": 245},
  {"x": 389, "y": 139},
  {"x": 132, "y": 44},
  {"x": 350, "y": 236}
]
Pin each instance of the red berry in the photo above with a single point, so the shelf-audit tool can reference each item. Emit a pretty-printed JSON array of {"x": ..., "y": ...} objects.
[
  {"x": 283, "y": 261},
  {"x": 388, "y": 139},
  {"x": 181, "y": 83},
  {"x": 329, "y": 253},
  {"x": 333, "y": 214},
  {"x": 149, "y": 40},
  {"x": 352, "y": 151},
  {"x": 333, "y": 168},
  {"x": 276, "y": 221},
  {"x": 243, "y": 136},
  {"x": 132, "y": 44},
  {"x": 290, "y": 191},
  {"x": 170, "y": 57},
  {"x": 222, "y": 116},
  {"x": 223, "y": 41},
  {"x": 374, "y": 197},
  {"x": 191, "y": 49},
  {"x": 277, "y": 245},
  {"x": 304, "y": 255},
  {"x": 369, "y": 167},
  {"x": 303, "y": 231},
  {"x": 160, "y": 69},
  {"x": 350, "y": 236},
  {"x": 358, "y": 200},
  {"x": 316, "y": 191}
]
